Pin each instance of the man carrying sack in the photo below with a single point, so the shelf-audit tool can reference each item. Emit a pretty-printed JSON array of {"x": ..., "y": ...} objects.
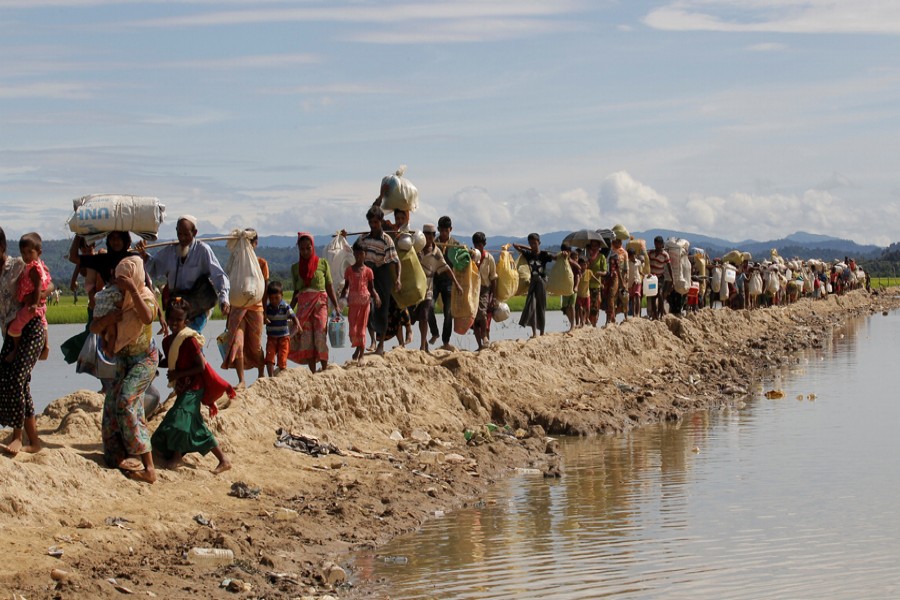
[{"x": 192, "y": 271}]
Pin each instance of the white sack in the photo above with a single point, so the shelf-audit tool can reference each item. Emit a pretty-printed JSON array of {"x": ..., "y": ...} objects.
[
  {"x": 99, "y": 214},
  {"x": 248, "y": 286}
]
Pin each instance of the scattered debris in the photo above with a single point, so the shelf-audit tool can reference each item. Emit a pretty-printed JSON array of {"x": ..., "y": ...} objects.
[
  {"x": 307, "y": 444},
  {"x": 118, "y": 522},
  {"x": 201, "y": 520},
  {"x": 118, "y": 587},
  {"x": 239, "y": 489}
]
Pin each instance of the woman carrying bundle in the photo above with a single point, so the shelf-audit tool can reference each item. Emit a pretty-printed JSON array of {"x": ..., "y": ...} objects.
[
  {"x": 245, "y": 326},
  {"x": 124, "y": 426}
]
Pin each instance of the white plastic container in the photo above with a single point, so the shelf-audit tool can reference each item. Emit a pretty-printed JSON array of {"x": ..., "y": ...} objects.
[
  {"x": 730, "y": 274},
  {"x": 651, "y": 286},
  {"x": 211, "y": 557}
]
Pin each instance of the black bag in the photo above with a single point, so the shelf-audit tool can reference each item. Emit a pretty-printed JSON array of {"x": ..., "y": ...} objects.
[{"x": 202, "y": 297}]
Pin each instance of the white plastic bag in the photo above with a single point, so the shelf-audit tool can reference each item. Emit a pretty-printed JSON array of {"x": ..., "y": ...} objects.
[
  {"x": 401, "y": 193},
  {"x": 339, "y": 255},
  {"x": 755, "y": 285},
  {"x": 248, "y": 286},
  {"x": 772, "y": 283}
]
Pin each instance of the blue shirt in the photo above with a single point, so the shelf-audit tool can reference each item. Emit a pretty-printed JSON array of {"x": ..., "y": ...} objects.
[
  {"x": 278, "y": 319},
  {"x": 200, "y": 262}
]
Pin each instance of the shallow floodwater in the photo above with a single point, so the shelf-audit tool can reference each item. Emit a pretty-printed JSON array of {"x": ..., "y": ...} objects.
[
  {"x": 789, "y": 498},
  {"x": 54, "y": 378}
]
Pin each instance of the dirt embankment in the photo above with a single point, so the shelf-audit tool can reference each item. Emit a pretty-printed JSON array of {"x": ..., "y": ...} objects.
[{"x": 311, "y": 511}]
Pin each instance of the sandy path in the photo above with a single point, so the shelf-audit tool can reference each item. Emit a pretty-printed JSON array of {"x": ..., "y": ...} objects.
[{"x": 314, "y": 510}]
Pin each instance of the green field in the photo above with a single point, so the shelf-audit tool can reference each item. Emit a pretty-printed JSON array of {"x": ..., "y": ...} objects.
[
  {"x": 65, "y": 312},
  {"x": 879, "y": 282}
]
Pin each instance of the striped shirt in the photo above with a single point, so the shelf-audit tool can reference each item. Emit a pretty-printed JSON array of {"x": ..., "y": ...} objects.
[
  {"x": 380, "y": 250},
  {"x": 278, "y": 319},
  {"x": 658, "y": 261}
]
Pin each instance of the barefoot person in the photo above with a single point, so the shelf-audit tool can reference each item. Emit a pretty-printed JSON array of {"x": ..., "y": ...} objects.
[
  {"x": 534, "y": 312},
  {"x": 359, "y": 289},
  {"x": 313, "y": 289},
  {"x": 244, "y": 327},
  {"x": 434, "y": 265},
  {"x": 487, "y": 277},
  {"x": 183, "y": 430},
  {"x": 279, "y": 315},
  {"x": 16, "y": 404},
  {"x": 382, "y": 258},
  {"x": 124, "y": 426}
]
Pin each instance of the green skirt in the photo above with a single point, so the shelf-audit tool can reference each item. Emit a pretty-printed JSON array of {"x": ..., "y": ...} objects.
[{"x": 183, "y": 429}]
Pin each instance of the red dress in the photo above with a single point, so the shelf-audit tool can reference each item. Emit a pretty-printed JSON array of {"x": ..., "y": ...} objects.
[{"x": 358, "y": 299}]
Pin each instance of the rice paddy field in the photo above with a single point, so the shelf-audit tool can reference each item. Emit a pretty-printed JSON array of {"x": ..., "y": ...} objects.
[{"x": 66, "y": 312}]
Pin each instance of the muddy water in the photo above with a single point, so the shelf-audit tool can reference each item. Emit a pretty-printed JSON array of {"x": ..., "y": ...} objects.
[{"x": 782, "y": 498}]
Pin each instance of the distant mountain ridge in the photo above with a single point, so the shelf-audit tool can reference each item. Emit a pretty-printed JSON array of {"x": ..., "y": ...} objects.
[{"x": 280, "y": 250}]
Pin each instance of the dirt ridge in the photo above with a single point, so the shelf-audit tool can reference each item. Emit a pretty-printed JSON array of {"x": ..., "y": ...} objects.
[{"x": 312, "y": 511}]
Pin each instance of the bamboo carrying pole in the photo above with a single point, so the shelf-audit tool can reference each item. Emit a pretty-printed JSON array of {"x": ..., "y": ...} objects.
[{"x": 209, "y": 239}]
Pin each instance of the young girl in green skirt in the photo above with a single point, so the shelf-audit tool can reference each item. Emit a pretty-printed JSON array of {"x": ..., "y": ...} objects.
[{"x": 183, "y": 429}]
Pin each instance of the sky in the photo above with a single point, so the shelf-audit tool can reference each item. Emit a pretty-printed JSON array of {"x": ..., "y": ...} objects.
[{"x": 740, "y": 119}]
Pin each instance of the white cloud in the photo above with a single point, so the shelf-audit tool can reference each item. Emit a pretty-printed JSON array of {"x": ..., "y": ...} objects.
[
  {"x": 333, "y": 89},
  {"x": 624, "y": 200},
  {"x": 742, "y": 215},
  {"x": 767, "y": 47},
  {"x": 461, "y": 31},
  {"x": 262, "y": 61},
  {"x": 190, "y": 120},
  {"x": 778, "y": 16},
  {"x": 473, "y": 209},
  {"x": 371, "y": 13},
  {"x": 47, "y": 89}
]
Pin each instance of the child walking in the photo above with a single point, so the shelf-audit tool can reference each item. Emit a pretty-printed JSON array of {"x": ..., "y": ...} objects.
[
  {"x": 359, "y": 287},
  {"x": 32, "y": 283},
  {"x": 183, "y": 430},
  {"x": 278, "y": 334},
  {"x": 583, "y": 300}
]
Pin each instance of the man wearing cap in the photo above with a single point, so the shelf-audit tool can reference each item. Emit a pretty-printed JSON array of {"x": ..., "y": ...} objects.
[
  {"x": 433, "y": 263},
  {"x": 185, "y": 263}
]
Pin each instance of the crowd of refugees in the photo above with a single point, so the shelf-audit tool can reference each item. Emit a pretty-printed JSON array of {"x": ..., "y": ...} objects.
[{"x": 610, "y": 275}]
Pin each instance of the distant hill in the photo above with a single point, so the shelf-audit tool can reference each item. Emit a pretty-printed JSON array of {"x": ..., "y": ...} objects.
[
  {"x": 800, "y": 244},
  {"x": 281, "y": 252}
]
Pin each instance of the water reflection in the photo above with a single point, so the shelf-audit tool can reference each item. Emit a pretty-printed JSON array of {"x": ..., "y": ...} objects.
[{"x": 780, "y": 499}]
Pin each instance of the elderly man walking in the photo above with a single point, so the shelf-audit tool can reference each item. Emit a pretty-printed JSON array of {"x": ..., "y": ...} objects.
[{"x": 189, "y": 267}]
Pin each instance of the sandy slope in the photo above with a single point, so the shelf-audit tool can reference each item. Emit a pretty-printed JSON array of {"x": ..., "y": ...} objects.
[{"x": 588, "y": 382}]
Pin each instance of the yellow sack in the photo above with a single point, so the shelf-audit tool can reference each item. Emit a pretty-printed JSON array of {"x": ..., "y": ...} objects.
[
  {"x": 464, "y": 304},
  {"x": 507, "y": 276},
  {"x": 621, "y": 232},
  {"x": 639, "y": 247},
  {"x": 734, "y": 257},
  {"x": 524, "y": 275},
  {"x": 561, "y": 279},
  {"x": 413, "y": 283}
]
